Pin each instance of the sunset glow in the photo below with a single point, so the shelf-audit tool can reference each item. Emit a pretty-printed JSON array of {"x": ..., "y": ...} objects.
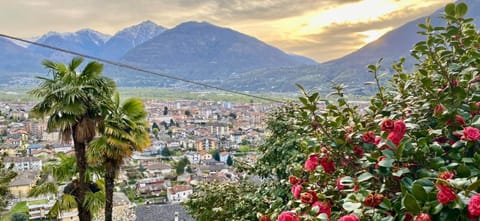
[{"x": 311, "y": 28}]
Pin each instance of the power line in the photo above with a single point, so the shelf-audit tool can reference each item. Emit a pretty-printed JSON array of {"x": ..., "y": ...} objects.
[{"x": 123, "y": 65}]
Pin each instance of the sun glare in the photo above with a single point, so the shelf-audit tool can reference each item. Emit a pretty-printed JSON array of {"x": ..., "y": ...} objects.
[
  {"x": 372, "y": 35},
  {"x": 363, "y": 11}
]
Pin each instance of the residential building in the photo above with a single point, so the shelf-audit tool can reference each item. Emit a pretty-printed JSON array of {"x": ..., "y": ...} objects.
[
  {"x": 179, "y": 193},
  {"x": 24, "y": 163},
  {"x": 21, "y": 185},
  {"x": 151, "y": 185}
]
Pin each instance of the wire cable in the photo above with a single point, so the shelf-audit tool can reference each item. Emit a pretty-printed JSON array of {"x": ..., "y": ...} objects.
[{"x": 123, "y": 65}]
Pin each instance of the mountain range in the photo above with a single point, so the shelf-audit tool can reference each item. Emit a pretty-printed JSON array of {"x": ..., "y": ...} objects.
[
  {"x": 211, "y": 54},
  {"x": 351, "y": 69}
]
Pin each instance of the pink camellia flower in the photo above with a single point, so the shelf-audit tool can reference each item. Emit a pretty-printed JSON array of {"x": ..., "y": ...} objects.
[
  {"x": 446, "y": 175},
  {"x": 322, "y": 208},
  {"x": 296, "y": 190},
  {"x": 423, "y": 217},
  {"x": 311, "y": 163},
  {"x": 351, "y": 217},
  {"x": 471, "y": 134},
  {"x": 400, "y": 127},
  {"x": 445, "y": 194},
  {"x": 368, "y": 137},
  {"x": 288, "y": 216},
  {"x": 387, "y": 125},
  {"x": 328, "y": 165},
  {"x": 474, "y": 205},
  {"x": 339, "y": 184}
]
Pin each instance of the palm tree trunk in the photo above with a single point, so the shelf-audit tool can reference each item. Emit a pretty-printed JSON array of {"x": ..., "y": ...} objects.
[
  {"x": 83, "y": 213},
  {"x": 109, "y": 187}
]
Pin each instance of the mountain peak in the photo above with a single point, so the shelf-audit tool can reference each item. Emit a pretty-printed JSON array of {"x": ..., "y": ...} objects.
[
  {"x": 129, "y": 38},
  {"x": 195, "y": 24}
]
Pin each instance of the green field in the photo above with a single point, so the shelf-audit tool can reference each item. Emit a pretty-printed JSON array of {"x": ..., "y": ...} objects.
[
  {"x": 20, "y": 207},
  {"x": 151, "y": 93}
]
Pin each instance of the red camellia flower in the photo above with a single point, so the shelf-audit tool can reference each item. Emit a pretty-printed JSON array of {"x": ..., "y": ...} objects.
[
  {"x": 400, "y": 127},
  {"x": 296, "y": 190},
  {"x": 446, "y": 175},
  {"x": 373, "y": 200},
  {"x": 356, "y": 188},
  {"x": 339, "y": 184},
  {"x": 368, "y": 137},
  {"x": 395, "y": 137},
  {"x": 387, "y": 125},
  {"x": 265, "y": 218},
  {"x": 322, "y": 208},
  {"x": 408, "y": 217},
  {"x": 460, "y": 120},
  {"x": 311, "y": 163},
  {"x": 288, "y": 216},
  {"x": 471, "y": 134},
  {"x": 474, "y": 205},
  {"x": 328, "y": 165},
  {"x": 377, "y": 140},
  {"x": 358, "y": 150},
  {"x": 294, "y": 180},
  {"x": 309, "y": 197},
  {"x": 351, "y": 217},
  {"x": 439, "y": 109},
  {"x": 423, "y": 217},
  {"x": 445, "y": 194}
]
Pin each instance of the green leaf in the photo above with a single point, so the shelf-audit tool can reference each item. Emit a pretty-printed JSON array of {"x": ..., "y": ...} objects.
[
  {"x": 386, "y": 163},
  {"x": 419, "y": 193},
  {"x": 350, "y": 206},
  {"x": 460, "y": 10},
  {"x": 346, "y": 180},
  {"x": 304, "y": 101},
  {"x": 476, "y": 121},
  {"x": 437, "y": 209},
  {"x": 323, "y": 216},
  {"x": 474, "y": 186},
  {"x": 364, "y": 177},
  {"x": 401, "y": 171},
  {"x": 458, "y": 144},
  {"x": 411, "y": 204},
  {"x": 463, "y": 171},
  {"x": 450, "y": 9}
]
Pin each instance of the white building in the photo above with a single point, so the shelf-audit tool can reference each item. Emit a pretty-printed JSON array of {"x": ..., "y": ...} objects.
[
  {"x": 193, "y": 157},
  {"x": 224, "y": 156},
  {"x": 24, "y": 163},
  {"x": 179, "y": 193}
]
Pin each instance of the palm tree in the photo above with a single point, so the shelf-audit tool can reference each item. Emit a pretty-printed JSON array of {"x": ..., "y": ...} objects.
[
  {"x": 59, "y": 172},
  {"x": 123, "y": 131},
  {"x": 74, "y": 103}
]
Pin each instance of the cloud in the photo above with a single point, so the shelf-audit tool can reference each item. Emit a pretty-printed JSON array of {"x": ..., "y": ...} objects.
[
  {"x": 338, "y": 39},
  {"x": 273, "y": 21}
]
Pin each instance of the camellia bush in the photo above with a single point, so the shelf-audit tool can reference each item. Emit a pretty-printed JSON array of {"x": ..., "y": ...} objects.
[{"x": 412, "y": 154}]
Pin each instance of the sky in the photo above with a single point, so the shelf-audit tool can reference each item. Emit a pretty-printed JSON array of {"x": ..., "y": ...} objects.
[{"x": 320, "y": 29}]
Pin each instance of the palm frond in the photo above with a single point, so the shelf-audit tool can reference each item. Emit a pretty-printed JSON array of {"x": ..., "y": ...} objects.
[
  {"x": 44, "y": 188},
  {"x": 67, "y": 202},
  {"x": 75, "y": 63},
  {"x": 95, "y": 201}
]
